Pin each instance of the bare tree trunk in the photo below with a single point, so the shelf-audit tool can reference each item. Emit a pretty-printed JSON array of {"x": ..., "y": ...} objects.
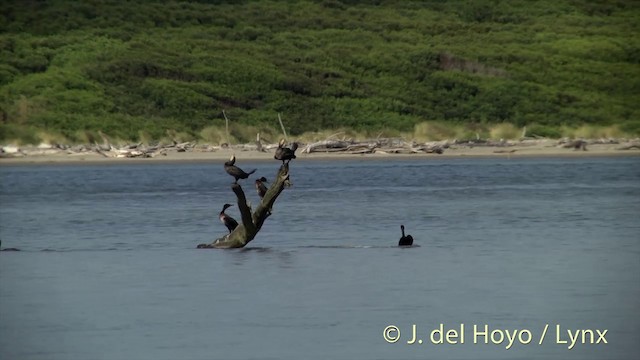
[
  {"x": 226, "y": 121},
  {"x": 251, "y": 222},
  {"x": 259, "y": 144},
  {"x": 284, "y": 132}
]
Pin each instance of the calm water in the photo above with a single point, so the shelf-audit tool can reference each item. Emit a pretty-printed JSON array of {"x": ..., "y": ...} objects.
[{"x": 109, "y": 268}]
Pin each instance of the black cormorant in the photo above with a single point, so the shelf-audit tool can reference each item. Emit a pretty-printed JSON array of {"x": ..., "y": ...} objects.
[
  {"x": 405, "y": 240},
  {"x": 261, "y": 187},
  {"x": 284, "y": 153},
  {"x": 235, "y": 171},
  {"x": 227, "y": 220},
  {"x": 8, "y": 249}
]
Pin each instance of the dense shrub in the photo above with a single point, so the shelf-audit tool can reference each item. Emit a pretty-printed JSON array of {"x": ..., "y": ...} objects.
[{"x": 138, "y": 69}]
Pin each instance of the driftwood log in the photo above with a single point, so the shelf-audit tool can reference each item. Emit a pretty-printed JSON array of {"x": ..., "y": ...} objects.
[
  {"x": 630, "y": 145},
  {"x": 251, "y": 222},
  {"x": 382, "y": 146}
]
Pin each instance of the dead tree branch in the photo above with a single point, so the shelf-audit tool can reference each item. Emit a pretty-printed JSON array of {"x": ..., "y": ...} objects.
[{"x": 251, "y": 222}]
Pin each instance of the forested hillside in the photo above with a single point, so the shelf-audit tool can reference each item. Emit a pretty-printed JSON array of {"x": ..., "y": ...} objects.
[{"x": 145, "y": 70}]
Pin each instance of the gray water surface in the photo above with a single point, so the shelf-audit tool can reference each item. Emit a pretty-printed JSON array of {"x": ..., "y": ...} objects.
[{"x": 109, "y": 270}]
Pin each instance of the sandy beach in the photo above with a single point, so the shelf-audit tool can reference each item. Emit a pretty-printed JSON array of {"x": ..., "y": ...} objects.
[{"x": 539, "y": 149}]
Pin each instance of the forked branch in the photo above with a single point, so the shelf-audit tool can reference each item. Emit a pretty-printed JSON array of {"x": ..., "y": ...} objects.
[{"x": 251, "y": 222}]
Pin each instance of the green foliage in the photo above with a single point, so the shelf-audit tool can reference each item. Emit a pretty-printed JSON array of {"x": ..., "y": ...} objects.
[
  {"x": 593, "y": 132},
  {"x": 135, "y": 70},
  {"x": 504, "y": 131},
  {"x": 19, "y": 134},
  {"x": 631, "y": 127},
  {"x": 433, "y": 130}
]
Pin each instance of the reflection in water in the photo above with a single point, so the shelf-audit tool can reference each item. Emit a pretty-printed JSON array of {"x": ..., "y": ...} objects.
[{"x": 280, "y": 256}]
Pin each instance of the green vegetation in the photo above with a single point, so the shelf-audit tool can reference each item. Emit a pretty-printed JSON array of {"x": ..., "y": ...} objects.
[{"x": 148, "y": 70}]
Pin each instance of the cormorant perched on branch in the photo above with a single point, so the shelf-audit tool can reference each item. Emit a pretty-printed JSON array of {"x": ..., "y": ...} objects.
[
  {"x": 284, "y": 153},
  {"x": 235, "y": 171},
  {"x": 227, "y": 220},
  {"x": 405, "y": 240},
  {"x": 260, "y": 186}
]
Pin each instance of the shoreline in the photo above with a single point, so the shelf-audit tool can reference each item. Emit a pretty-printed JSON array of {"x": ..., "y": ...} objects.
[{"x": 454, "y": 152}]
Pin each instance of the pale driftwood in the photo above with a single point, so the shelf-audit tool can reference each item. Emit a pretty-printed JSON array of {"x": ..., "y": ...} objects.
[
  {"x": 362, "y": 151},
  {"x": 99, "y": 151},
  {"x": 226, "y": 122},
  {"x": 251, "y": 222},
  {"x": 127, "y": 151},
  {"x": 259, "y": 143},
  {"x": 382, "y": 146},
  {"x": 323, "y": 146},
  {"x": 605, "y": 141},
  {"x": 105, "y": 139},
  {"x": 139, "y": 150},
  {"x": 428, "y": 149},
  {"x": 330, "y": 145},
  {"x": 246, "y": 147},
  {"x": 401, "y": 150},
  {"x": 630, "y": 145},
  {"x": 284, "y": 132},
  {"x": 484, "y": 142},
  {"x": 184, "y": 146}
]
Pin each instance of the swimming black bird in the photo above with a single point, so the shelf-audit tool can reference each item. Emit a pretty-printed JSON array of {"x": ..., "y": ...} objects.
[
  {"x": 227, "y": 220},
  {"x": 8, "y": 249},
  {"x": 405, "y": 240},
  {"x": 235, "y": 171},
  {"x": 261, "y": 187},
  {"x": 284, "y": 153}
]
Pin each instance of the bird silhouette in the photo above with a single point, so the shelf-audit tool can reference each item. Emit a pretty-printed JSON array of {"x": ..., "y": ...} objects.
[
  {"x": 235, "y": 171},
  {"x": 261, "y": 188},
  {"x": 227, "y": 220},
  {"x": 405, "y": 240},
  {"x": 8, "y": 249},
  {"x": 284, "y": 153}
]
